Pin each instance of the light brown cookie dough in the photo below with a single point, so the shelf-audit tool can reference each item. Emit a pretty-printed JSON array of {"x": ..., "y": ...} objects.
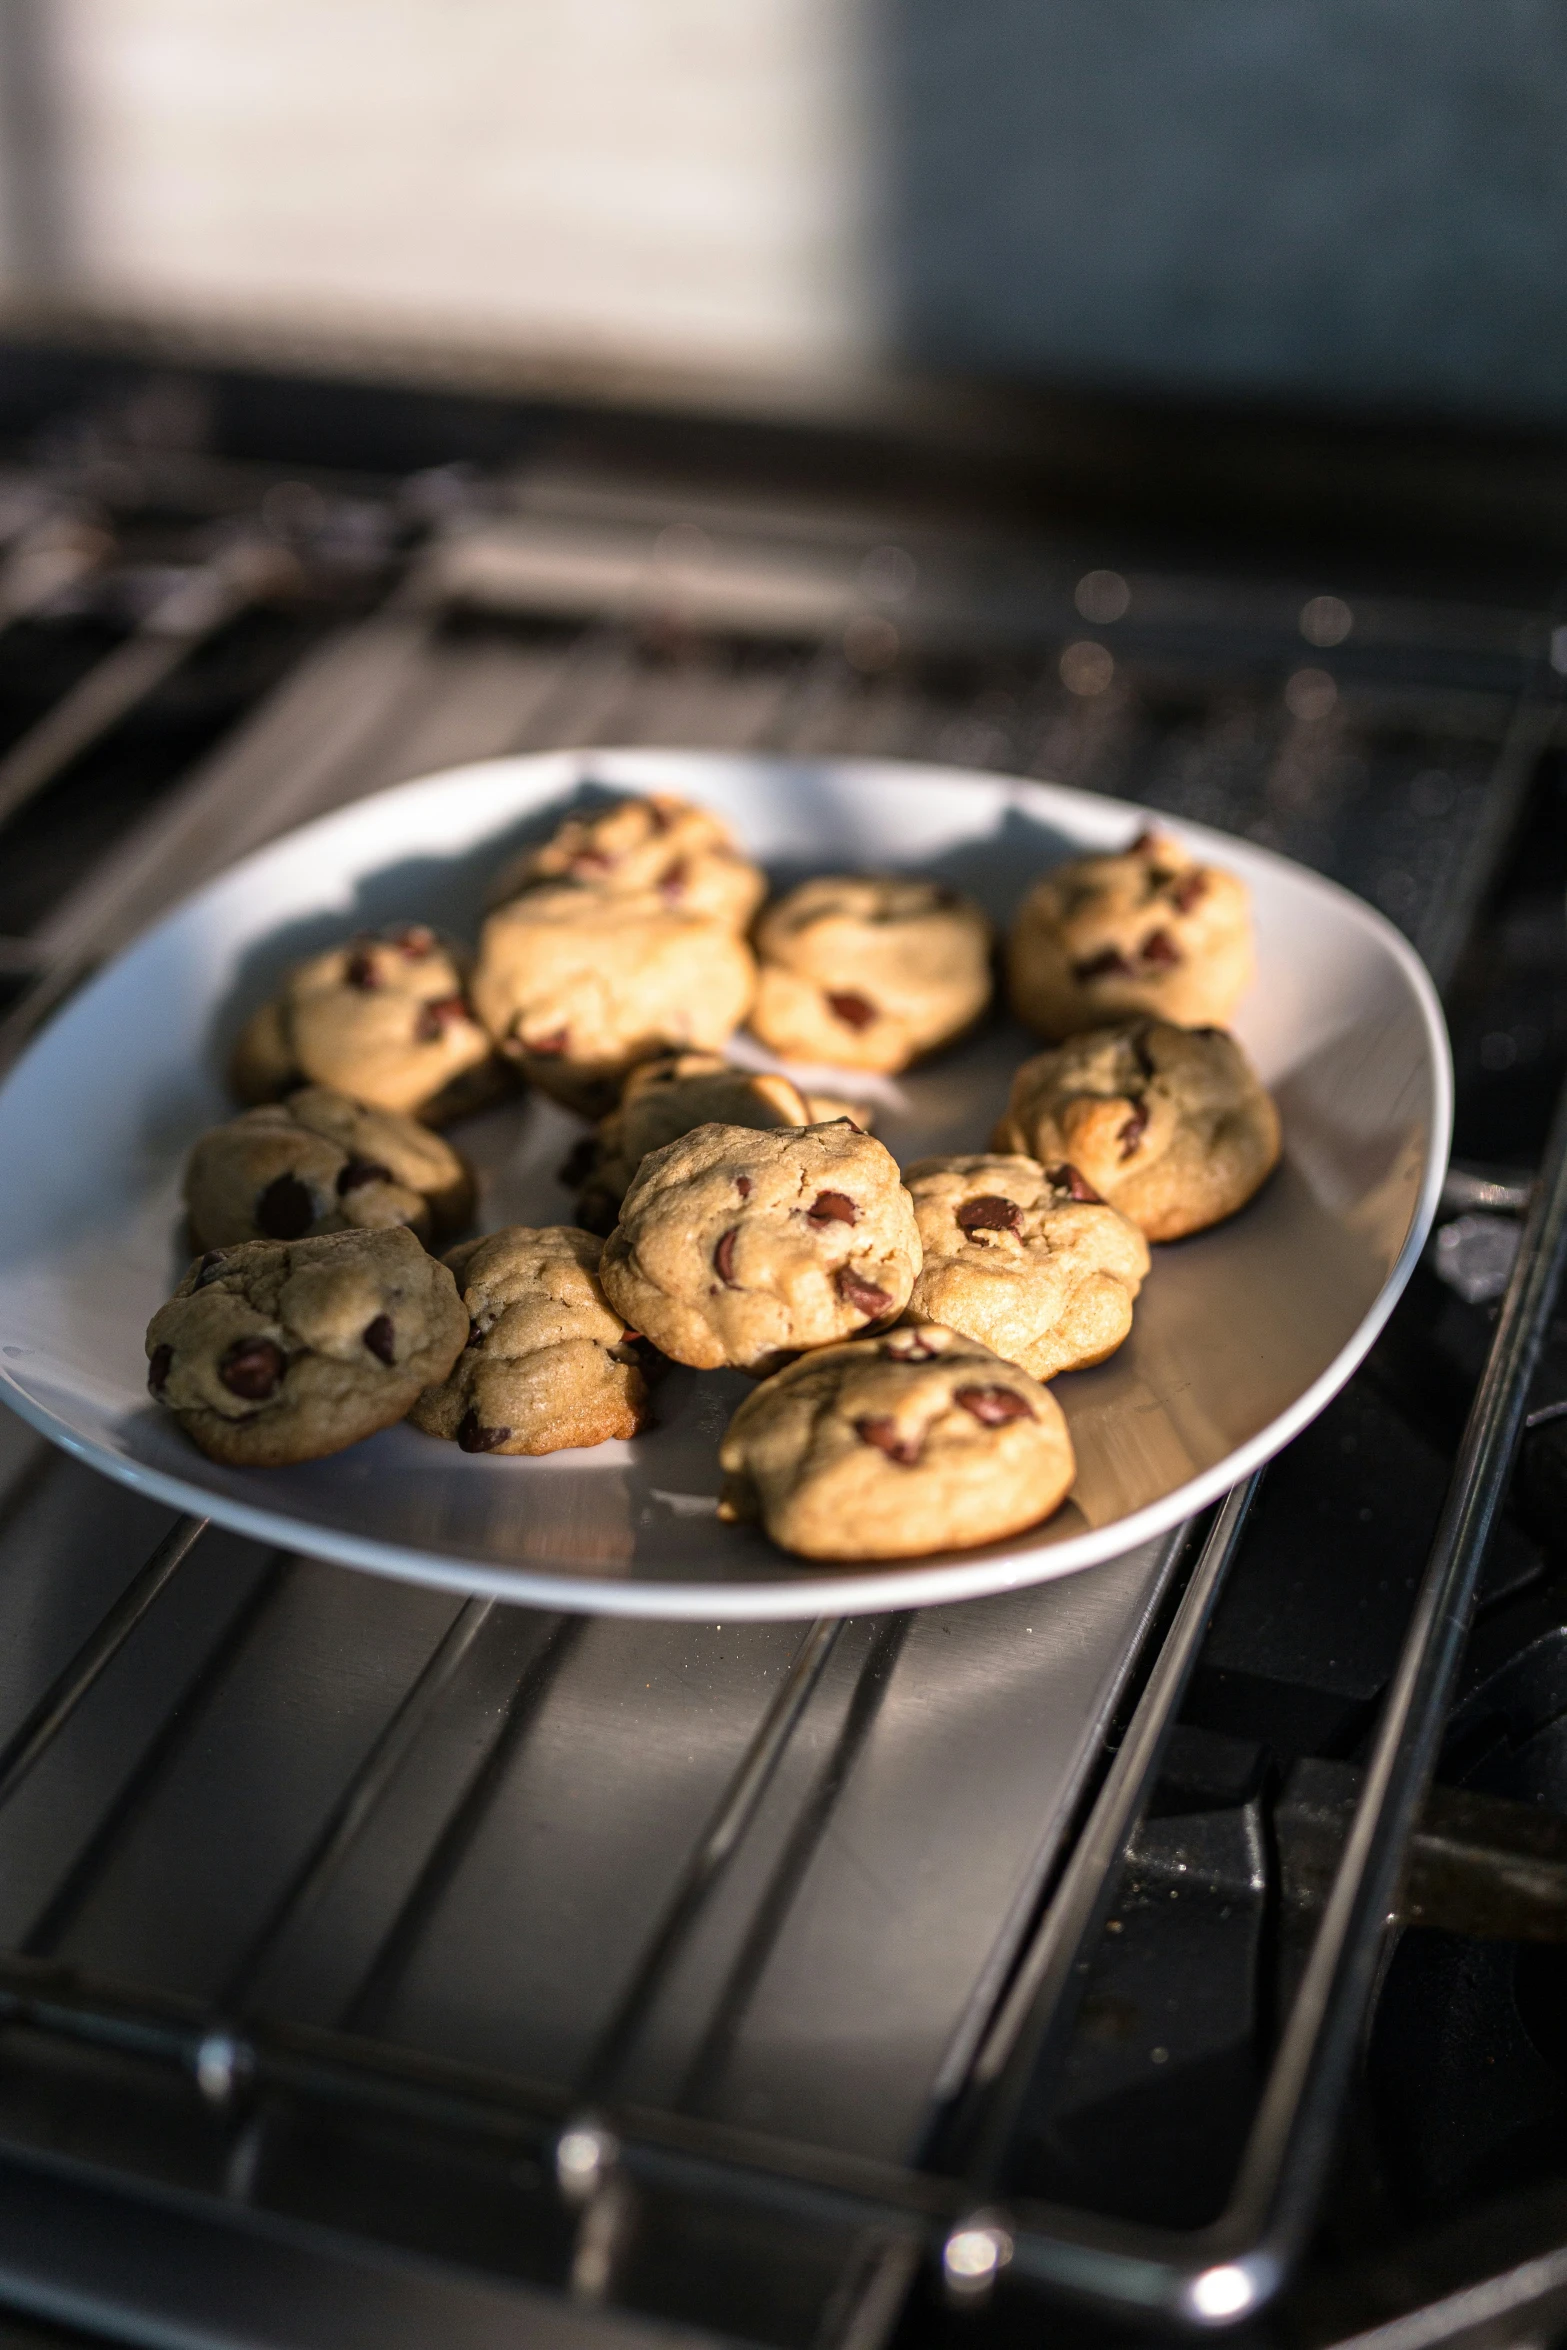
[
  {"x": 667, "y": 1098},
  {"x": 871, "y": 973},
  {"x": 547, "y": 1365},
  {"x": 896, "y": 1446},
  {"x": 319, "y": 1162},
  {"x": 1169, "y": 1125},
  {"x": 1026, "y": 1261},
  {"x": 280, "y": 1351},
  {"x": 577, "y": 987},
  {"x": 385, "y": 1019},
  {"x": 736, "y": 1246},
  {"x": 1149, "y": 930},
  {"x": 684, "y": 854}
]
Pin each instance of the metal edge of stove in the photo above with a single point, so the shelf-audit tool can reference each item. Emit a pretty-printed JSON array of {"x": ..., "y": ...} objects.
[{"x": 1134, "y": 2269}]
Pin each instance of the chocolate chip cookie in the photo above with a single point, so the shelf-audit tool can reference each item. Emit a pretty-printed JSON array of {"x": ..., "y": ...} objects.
[
  {"x": 548, "y": 1364},
  {"x": 1151, "y": 929},
  {"x": 385, "y": 1018},
  {"x": 870, "y": 973},
  {"x": 577, "y": 986},
  {"x": 319, "y": 1162},
  {"x": 1170, "y": 1125},
  {"x": 892, "y": 1447},
  {"x": 1025, "y": 1259},
  {"x": 665, "y": 1099},
  {"x": 685, "y": 855},
  {"x": 286, "y": 1350},
  {"x": 736, "y": 1246}
]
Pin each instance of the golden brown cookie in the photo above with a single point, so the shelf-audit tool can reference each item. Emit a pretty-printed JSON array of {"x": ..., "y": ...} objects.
[
  {"x": 319, "y": 1162},
  {"x": 665, "y": 1099},
  {"x": 385, "y": 1018},
  {"x": 1169, "y": 1125},
  {"x": 871, "y": 973},
  {"x": 737, "y": 1246},
  {"x": 684, "y": 854},
  {"x": 896, "y": 1446},
  {"x": 547, "y": 1365},
  {"x": 1026, "y": 1261},
  {"x": 280, "y": 1351},
  {"x": 577, "y": 986},
  {"x": 1151, "y": 929}
]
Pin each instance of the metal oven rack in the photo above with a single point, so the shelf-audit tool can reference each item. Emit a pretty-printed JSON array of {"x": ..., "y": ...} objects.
[{"x": 379, "y": 1968}]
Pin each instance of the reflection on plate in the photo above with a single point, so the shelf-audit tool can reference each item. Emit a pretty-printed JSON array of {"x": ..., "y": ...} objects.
[{"x": 1241, "y": 1335}]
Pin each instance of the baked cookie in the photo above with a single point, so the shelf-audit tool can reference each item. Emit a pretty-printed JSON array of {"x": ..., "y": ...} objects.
[
  {"x": 665, "y": 1099},
  {"x": 737, "y": 1246},
  {"x": 683, "y": 853},
  {"x": 577, "y": 986},
  {"x": 318, "y": 1162},
  {"x": 871, "y": 973},
  {"x": 1151, "y": 929},
  {"x": 384, "y": 1018},
  {"x": 547, "y": 1364},
  {"x": 1170, "y": 1125},
  {"x": 890, "y": 1447},
  {"x": 285, "y": 1350},
  {"x": 1029, "y": 1262}
]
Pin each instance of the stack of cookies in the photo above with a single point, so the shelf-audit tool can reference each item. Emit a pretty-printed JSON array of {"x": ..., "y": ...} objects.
[{"x": 902, "y": 1323}]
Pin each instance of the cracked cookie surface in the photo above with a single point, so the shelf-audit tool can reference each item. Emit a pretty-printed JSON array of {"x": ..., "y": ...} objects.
[
  {"x": 280, "y": 1351},
  {"x": 1170, "y": 1125},
  {"x": 871, "y": 973},
  {"x": 738, "y": 1247},
  {"x": 384, "y": 1018},
  {"x": 547, "y": 1366},
  {"x": 1024, "y": 1259},
  {"x": 1151, "y": 929},
  {"x": 684, "y": 854},
  {"x": 666, "y": 1098},
  {"x": 319, "y": 1162},
  {"x": 892, "y": 1447},
  {"x": 577, "y": 986}
]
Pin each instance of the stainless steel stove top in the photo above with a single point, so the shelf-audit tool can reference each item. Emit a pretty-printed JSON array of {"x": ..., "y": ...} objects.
[{"x": 377, "y": 1967}]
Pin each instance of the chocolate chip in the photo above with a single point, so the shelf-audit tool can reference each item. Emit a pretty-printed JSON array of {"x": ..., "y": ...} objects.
[
  {"x": 579, "y": 1162},
  {"x": 253, "y": 1368},
  {"x": 1066, "y": 1178},
  {"x": 658, "y": 816},
  {"x": 877, "y": 1429},
  {"x": 853, "y": 1010},
  {"x": 1160, "y": 949},
  {"x": 1159, "y": 877},
  {"x": 435, "y": 1018},
  {"x": 832, "y": 1207},
  {"x": 1107, "y": 963},
  {"x": 724, "y": 1259},
  {"x": 672, "y": 885},
  {"x": 547, "y": 1048},
  {"x": 474, "y": 1438},
  {"x": 1131, "y": 1134},
  {"x": 381, "y": 1339},
  {"x": 415, "y": 940},
  {"x": 990, "y": 1214},
  {"x": 994, "y": 1406},
  {"x": 361, "y": 1171},
  {"x": 1144, "y": 845},
  {"x": 285, "y": 1209},
  {"x": 360, "y": 971},
  {"x": 475, "y": 1337},
  {"x": 210, "y": 1267},
  {"x": 1189, "y": 887},
  {"x": 158, "y": 1368},
  {"x": 863, "y": 1295},
  {"x": 743, "y": 1186}
]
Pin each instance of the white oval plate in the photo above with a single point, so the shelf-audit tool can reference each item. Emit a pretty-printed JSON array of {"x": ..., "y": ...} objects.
[{"x": 1242, "y": 1334}]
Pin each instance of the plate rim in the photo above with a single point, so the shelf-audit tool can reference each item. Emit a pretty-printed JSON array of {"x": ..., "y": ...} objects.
[{"x": 867, "y": 1588}]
